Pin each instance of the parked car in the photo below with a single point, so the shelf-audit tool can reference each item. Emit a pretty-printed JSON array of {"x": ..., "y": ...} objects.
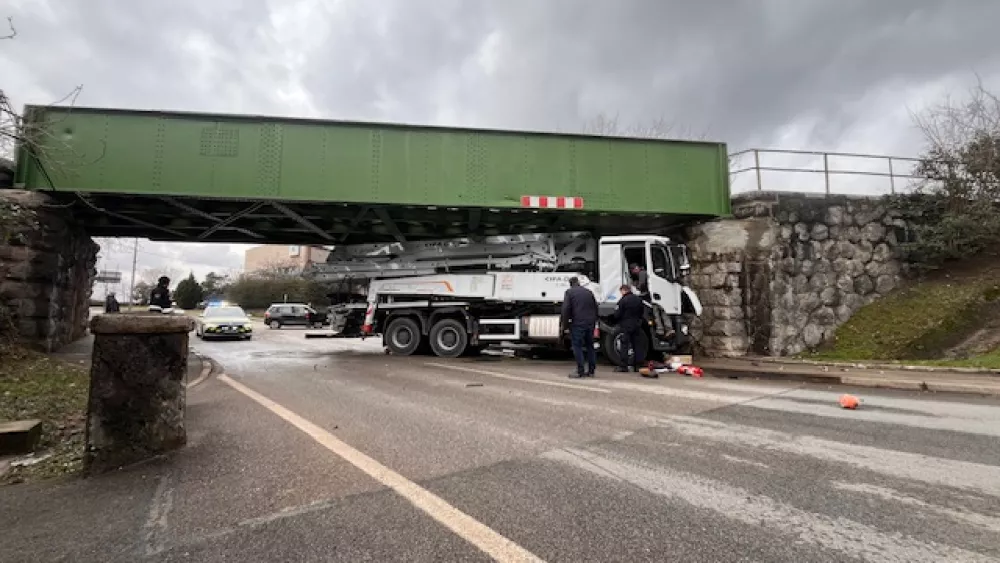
[
  {"x": 224, "y": 322},
  {"x": 294, "y": 314}
]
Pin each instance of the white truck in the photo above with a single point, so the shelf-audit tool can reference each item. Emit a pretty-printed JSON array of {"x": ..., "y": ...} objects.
[{"x": 456, "y": 296}]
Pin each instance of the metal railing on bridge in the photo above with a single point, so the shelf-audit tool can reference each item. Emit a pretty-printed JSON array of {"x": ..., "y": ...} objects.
[{"x": 821, "y": 172}]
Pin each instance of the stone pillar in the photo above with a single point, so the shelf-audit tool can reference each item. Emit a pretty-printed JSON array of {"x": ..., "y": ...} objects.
[
  {"x": 137, "y": 394},
  {"x": 730, "y": 271},
  {"x": 46, "y": 273}
]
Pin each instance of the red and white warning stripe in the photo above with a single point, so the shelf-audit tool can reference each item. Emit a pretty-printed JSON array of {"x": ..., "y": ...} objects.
[{"x": 551, "y": 202}]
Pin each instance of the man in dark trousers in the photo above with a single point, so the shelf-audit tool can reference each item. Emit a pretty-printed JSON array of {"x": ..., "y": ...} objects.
[
  {"x": 579, "y": 310},
  {"x": 629, "y": 317}
]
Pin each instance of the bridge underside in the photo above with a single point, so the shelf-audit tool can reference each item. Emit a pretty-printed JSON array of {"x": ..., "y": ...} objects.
[{"x": 181, "y": 219}]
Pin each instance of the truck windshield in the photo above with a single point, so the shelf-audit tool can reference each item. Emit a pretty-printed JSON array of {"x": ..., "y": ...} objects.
[
  {"x": 679, "y": 254},
  {"x": 662, "y": 264}
]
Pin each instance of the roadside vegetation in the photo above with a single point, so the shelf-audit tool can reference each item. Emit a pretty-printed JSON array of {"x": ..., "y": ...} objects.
[
  {"x": 34, "y": 386},
  {"x": 258, "y": 290},
  {"x": 947, "y": 318},
  {"x": 950, "y": 314}
]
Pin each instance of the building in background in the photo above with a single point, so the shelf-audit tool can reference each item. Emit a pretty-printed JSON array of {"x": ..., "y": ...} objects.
[{"x": 293, "y": 258}]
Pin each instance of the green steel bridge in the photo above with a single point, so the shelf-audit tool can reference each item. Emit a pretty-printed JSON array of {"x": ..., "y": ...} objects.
[{"x": 175, "y": 176}]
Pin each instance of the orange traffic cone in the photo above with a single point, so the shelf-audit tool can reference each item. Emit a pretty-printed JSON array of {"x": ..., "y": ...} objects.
[{"x": 849, "y": 402}]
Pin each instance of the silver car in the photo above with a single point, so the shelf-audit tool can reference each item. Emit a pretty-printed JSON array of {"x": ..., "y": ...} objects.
[{"x": 224, "y": 322}]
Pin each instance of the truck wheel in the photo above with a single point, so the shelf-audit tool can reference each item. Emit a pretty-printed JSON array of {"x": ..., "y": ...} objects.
[
  {"x": 449, "y": 338},
  {"x": 611, "y": 347},
  {"x": 402, "y": 337}
]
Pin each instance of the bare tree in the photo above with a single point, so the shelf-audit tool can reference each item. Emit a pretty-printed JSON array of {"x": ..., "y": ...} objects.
[
  {"x": 15, "y": 131},
  {"x": 952, "y": 123},
  {"x": 659, "y": 128},
  {"x": 150, "y": 275},
  {"x": 275, "y": 269},
  {"x": 957, "y": 210}
]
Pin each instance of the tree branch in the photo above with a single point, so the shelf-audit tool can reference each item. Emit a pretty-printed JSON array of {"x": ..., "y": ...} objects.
[{"x": 13, "y": 30}]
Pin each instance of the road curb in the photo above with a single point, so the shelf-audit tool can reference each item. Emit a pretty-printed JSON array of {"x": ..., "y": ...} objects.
[
  {"x": 207, "y": 366},
  {"x": 870, "y": 365},
  {"x": 856, "y": 381}
]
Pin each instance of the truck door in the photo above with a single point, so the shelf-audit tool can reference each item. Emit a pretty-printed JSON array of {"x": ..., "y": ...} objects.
[
  {"x": 611, "y": 271},
  {"x": 663, "y": 279}
]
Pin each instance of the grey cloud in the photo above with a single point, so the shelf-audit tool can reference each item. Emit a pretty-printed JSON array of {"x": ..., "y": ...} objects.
[
  {"x": 179, "y": 259},
  {"x": 133, "y": 54},
  {"x": 395, "y": 53},
  {"x": 735, "y": 70},
  {"x": 740, "y": 71}
]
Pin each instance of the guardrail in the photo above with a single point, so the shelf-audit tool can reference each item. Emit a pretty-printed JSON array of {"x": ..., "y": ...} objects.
[{"x": 893, "y": 173}]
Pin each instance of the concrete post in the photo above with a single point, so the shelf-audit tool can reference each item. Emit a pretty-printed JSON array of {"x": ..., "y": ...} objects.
[{"x": 137, "y": 394}]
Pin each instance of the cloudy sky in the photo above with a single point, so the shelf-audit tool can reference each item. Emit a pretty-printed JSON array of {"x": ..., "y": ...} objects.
[{"x": 830, "y": 75}]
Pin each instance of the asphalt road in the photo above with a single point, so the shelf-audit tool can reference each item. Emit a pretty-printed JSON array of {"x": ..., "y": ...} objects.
[{"x": 363, "y": 456}]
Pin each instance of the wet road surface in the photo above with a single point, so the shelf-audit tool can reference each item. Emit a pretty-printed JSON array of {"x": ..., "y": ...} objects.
[{"x": 373, "y": 457}]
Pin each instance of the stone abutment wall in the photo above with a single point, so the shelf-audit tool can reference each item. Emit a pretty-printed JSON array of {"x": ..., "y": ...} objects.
[
  {"x": 788, "y": 269},
  {"x": 46, "y": 274}
]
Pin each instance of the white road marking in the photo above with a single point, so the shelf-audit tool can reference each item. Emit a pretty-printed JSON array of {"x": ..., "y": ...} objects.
[
  {"x": 155, "y": 528},
  {"x": 654, "y": 389},
  {"x": 989, "y": 523},
  {"x": 833, "y": 410},
  {"x": 963, "y": 475},
  {"x": 471, "y": 530},
  {"x": 751, "y": 462},
  {"x": 851, "y": 538},
  {"x": 536, "y": 381},
  {"x": 951, "y": 409}
]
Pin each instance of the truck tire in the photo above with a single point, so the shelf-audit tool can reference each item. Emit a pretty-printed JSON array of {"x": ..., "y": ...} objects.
[
  {"x": 611, "y": 346},
  {"x": 449, "y": 338},
  {"x": 402, "y": 337}
]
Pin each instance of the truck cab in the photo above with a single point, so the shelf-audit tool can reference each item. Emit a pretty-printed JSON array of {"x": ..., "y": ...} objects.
[{"x": 669, "y": 301}]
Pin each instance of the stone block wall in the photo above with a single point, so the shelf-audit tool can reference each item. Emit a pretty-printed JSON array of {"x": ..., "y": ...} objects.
[
  {"x": 796, "y": 267},
  {"x": 46, "y": 274},
  {"x": 729, "y": 265}
]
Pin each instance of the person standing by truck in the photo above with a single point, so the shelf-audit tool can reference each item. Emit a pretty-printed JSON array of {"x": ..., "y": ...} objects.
[
  {"x": 579, "y": 310},
  {"x": 629, "y": 315}
]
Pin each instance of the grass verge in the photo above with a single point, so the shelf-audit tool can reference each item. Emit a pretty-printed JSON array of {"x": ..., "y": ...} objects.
[
  {"x": 35, "y": 386},
  {"x": 989, "y": 360},
  {"x": 920, "y": 323}
]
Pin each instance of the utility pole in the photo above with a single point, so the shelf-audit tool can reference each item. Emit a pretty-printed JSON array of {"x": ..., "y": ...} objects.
[{"x": 131, "y": 289}]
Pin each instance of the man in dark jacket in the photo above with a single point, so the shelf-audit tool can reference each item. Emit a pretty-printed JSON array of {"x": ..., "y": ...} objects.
[
  {"x": 579, "y": 310},
  {"x": 160, "y": 296},
  {"x": 639, "y": 278},
  {"x": 640, "y": 282},
  {"x": 111, "y": 304},
  {"x": 629, "y": 316}
]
